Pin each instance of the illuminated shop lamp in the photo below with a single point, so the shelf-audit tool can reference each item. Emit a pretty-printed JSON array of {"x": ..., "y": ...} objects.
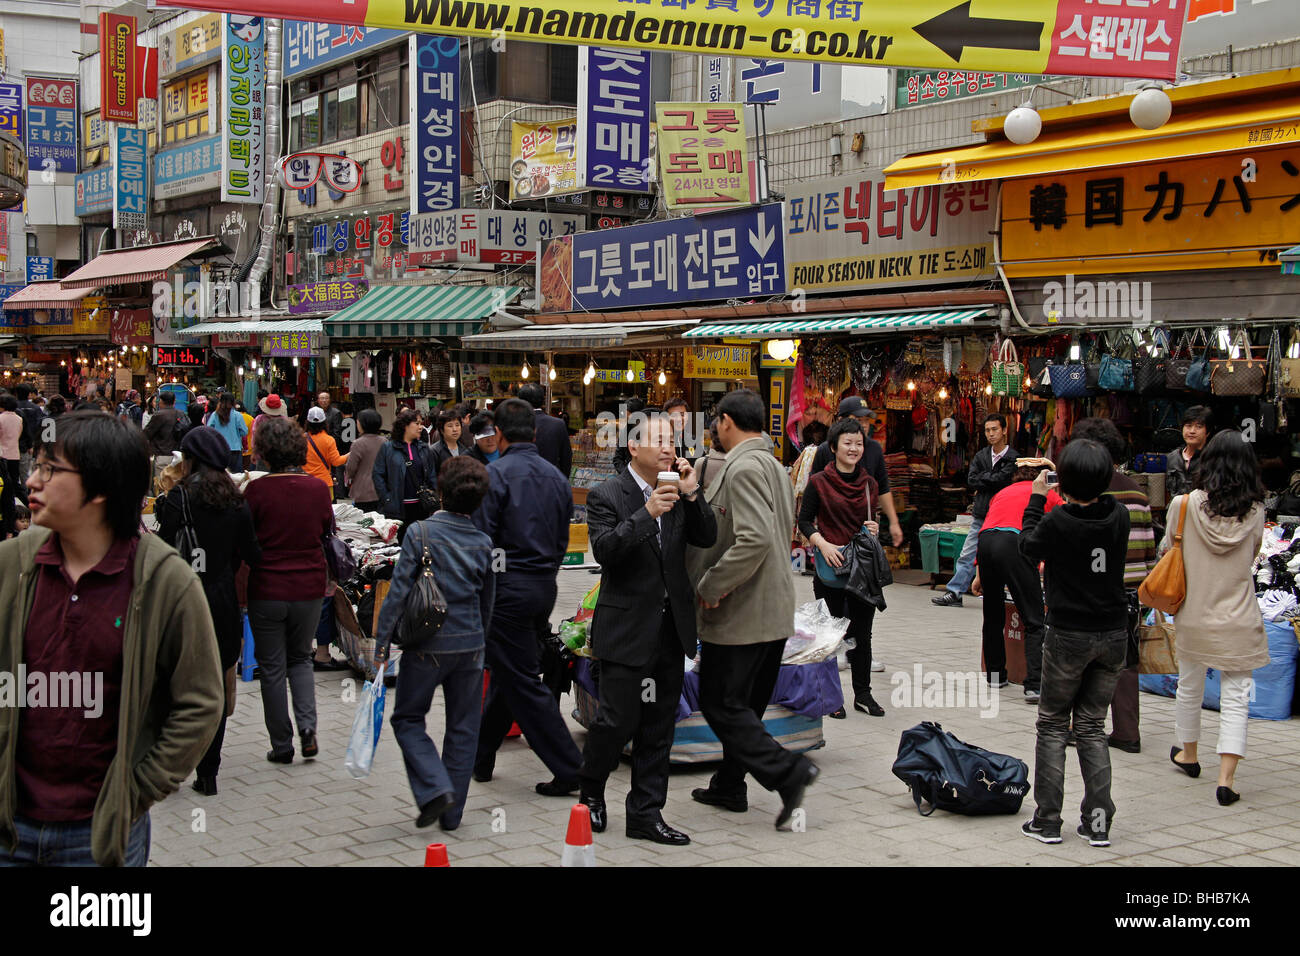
[
  {"x": 334, "y": 360},
  {"x": 1022, "y": 125},
  {"x": 780, "y": 349},
  {"x": 241, "y": 371},
  {"x": 943, "y": 393},
  {"x": 1029, "y": 383},
  {"x": 295, "y": 361},
  {"x": 911, "y": 386},
  {"x": 663, "y": 379},
  {"x": 424, "y": 374},
  {"x": 988, "y": 389},
  {"x": 1075, "y": 350},
  {"x": 173, "y": 378},
  {"x": 551, "y": 374},
  {"x": 62, "y": 363},
  {"x": 451, "y": 382},
  {"x": 1150, "y": 109},
  {"x": 631, "y": 376},
  {"x": 523, "y": 372},
  {"x": 591, "y": 369}
]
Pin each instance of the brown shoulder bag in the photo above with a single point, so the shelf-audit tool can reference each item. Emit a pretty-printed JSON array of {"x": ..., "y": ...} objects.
[{"x": 1165, "y": 588}]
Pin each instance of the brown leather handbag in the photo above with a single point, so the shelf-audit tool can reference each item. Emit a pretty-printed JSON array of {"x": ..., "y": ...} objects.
[{"x": 1165, "y": 588}]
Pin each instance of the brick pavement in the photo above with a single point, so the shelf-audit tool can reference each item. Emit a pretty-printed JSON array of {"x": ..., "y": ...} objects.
[{"x": 314, "y": 814}]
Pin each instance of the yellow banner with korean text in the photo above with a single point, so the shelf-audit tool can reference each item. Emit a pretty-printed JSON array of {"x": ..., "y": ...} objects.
[
  {"x": 717, "y": 361},
  {"x": 543, "y": 159},
  {"x": 702, "y": 155}
]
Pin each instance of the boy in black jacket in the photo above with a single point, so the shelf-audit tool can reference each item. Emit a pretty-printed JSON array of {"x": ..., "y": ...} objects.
[{"x": 1083, "y": 545}]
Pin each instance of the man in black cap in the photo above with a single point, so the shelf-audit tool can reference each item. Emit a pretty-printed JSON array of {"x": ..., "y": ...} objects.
[{"x": 873, "y": 460}]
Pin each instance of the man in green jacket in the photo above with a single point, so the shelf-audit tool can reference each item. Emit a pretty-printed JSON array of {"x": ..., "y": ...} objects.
[
  {"x": 746, "y": 593},
  {"x": 110, "y": 682}
]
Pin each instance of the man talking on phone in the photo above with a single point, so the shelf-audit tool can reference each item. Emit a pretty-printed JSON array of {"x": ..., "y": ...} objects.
[{"x": 644, "y": 625}]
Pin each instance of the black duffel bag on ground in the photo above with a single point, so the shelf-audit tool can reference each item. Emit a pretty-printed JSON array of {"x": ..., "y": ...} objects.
[{"x": 952, "y": 775}]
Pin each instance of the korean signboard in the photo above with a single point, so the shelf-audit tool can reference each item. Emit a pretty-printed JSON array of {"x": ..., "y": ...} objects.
[
  {"x": 94, "y": 191},
  {"x": 849, "y": 232},
  {"x": 308, "y": 45},
  {"x": 190, "y": 46},
  {"x": 715, "y": 79},
  {"x": 287, "y": 344},
  {"x": 717, "y": 361},
  {"x": 435, "y": 123},
  {"x": 1134, "y": 37},
  {"x": 244, "y": 127},
  {"x": 40, "y": 268},
  {"x": 614, "y": 106},
  {"x": 543, "y": 159},
  {"x": 52, "y": 124},
  {"x": 357, "y": 246},
  {"x": 917, "y": 87},
  {"x": 11, "y": 109},
  {"x": 502, "y": 237},
  {"x": 694, "y": 259},
  {"x": 130, "y": 179},
  {"x": 119, "y": 87},
  {"x": 329, "y": 296},
  {"x": 702, "y": 155},
  {"x": 1215, "y": 211},
  {"x": 792, "y": 94},
  {"x": 191, "y": 168},
  {"x": 131, "y": 327}
]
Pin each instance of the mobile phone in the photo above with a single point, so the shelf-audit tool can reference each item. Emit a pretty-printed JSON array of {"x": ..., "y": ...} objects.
[{"x": 1052, "y": 479}]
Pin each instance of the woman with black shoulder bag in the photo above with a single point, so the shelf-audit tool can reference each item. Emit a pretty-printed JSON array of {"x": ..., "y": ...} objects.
[{"x": 405, "y": 473}]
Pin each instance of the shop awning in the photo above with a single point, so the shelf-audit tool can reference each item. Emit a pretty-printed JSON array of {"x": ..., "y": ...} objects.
[
  {"x": 1291, "y": 261},
  {"x": 141, "y": 264},
  {"x": 254, "y": 326},
  {"x": 795, "y": 328},
  {"x": 51, "y": 294},
  {"x": 1113, "y": 142},
  {"x": 590, "y": 336},
  {"x": 419, "y": 311}
]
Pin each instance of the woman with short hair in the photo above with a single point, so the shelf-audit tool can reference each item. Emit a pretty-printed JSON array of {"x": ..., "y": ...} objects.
[
  {"x": 403, "y": 468},
  {"x": 446, "y": 430},
  {"x": 361, "y": 461}
]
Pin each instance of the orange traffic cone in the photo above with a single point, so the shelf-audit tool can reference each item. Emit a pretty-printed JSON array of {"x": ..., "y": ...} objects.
[
  {"x": 578, "y": 850},
  {"x": 435, "y": 854}
]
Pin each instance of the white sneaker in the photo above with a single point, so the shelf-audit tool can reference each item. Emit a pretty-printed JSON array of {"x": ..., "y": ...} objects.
[{"x": 878, "y": 666}]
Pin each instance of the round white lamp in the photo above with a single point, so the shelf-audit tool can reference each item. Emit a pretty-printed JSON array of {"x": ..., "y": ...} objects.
[
  {"x": 780, "y": 349},
  {"x": 1150, "y": 109},
  {"x": 1022, "y": 125}
]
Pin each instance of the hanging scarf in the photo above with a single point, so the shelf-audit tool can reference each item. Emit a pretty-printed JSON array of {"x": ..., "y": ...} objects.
[{"x": 844, "y": 502}]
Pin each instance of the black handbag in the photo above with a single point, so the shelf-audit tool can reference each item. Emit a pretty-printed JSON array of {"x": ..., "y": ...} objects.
[
  {"x": 186, "y": 542},
  {"x": 426, "y": 606},
  {"x": 338, "y": 556},
  {"x": 1149, "y": 371}
]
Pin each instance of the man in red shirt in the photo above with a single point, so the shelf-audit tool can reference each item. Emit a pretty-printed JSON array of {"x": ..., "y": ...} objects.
[{"x": 110, "y": 682}]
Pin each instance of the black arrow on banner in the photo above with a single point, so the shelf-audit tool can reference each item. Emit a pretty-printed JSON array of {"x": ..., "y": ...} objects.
[{"x": 956, "y": 29}]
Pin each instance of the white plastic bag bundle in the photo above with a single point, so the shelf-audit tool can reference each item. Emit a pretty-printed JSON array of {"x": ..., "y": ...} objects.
[
  {"x": 366, "y": 727},
  {"x": 818, "y": 635}
]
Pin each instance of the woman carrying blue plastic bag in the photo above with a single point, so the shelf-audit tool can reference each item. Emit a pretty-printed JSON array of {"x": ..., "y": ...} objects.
[{"x": 459, "y": 556}]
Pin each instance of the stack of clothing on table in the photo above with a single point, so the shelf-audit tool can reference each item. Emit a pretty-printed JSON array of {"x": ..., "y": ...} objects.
[{"x": 1276, "y": 570}]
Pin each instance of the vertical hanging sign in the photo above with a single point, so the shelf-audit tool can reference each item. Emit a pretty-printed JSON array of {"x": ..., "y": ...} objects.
[
  {"x": 243, "y": 130},
  {"x": 435, "y": 123},
  {"x": 130, "y": 179},
  {"x": 614, "y": 110},
  {"x": 119, "y": 87},
  {"x": 52, "y": 124}
]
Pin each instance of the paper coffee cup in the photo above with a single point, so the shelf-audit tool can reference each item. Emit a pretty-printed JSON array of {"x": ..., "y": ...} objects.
[{"x": 668, "y": 478}]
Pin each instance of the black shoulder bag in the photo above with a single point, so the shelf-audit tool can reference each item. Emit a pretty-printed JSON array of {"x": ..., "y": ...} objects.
[
  {"x": 186, "y": 542},
  {"x": 426, "y": 606}
]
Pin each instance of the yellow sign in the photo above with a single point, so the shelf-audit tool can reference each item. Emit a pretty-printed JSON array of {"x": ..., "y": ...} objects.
[
  {"x": 543, "y": 159},
  {"x": 198, "y": 93},
  {"x": 702, "y": 155},
  {"x": 96, "y": 131},
  {"x": 765, "y": 360},
  {"x": 716, "y": 361},
  {"x": 174, "y": 101},
  {"x": 1212, "y": 212}
]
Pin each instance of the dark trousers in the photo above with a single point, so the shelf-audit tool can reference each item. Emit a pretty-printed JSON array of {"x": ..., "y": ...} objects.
[
  {"x": 236, "y": 462},
  {"x": 1124, "y": 707},
  {"x": 1002, "y": 565},
  {"x": 860, "y": 615},
  {"x": 626, "y": 714},
  {"x": 1079, "y": 673},
  {"x": 410, "y": 515},
  {"x": 461, "y": 677},
  {"x": 7, "y": 496},
  {"x": 736, "y": 684},
  {"x": 523, "y": 612},
  {"x": 282, "y": 636}
]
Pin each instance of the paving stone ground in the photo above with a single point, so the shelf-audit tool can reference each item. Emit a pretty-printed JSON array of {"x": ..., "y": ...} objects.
[{"x": 858, "y": 813}]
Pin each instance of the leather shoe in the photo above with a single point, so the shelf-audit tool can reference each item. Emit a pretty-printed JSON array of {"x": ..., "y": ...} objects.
[
  {"x": 792, "y": 794},
  {"x": 434, "y": 809},
  {"x": 657, "y": 832},
  {"x": 309, "y": 747},
  {"x": 1191, "y": 769},
  {"x": 557, "y": 788},
  {"x": 713, "y": 798},
  {"x": 206, "y": 786},
  {"x": 1226, "y": 796},
  {"x": 596, "y": 810},
  {"x": 484, "y": 773},
  {"x": 274, "y": 757},
  {"x": 1128, "y": 746}
]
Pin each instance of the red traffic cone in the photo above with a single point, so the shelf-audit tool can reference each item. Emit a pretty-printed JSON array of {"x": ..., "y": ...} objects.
[
  {"x": 578, "y": 850},
  {"x": 435, "y": 854}
]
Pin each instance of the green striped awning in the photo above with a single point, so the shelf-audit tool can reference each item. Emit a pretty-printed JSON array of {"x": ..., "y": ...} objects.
[
  {"x": 418, "y": 311},
  {"x": 793, "y": 328},
  {"x": 1291, "y": 262}
]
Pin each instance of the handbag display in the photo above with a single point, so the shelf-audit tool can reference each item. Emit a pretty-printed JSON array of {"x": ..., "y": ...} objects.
[
  {"x": 338, "y": 557},
  {"x": 1116, "y": 373},
  {"x": 1069, "y": 380},
  {"x": 1042, "y": 383},
  {"x": 1008, "y": 373},
  {"x": 1165, "y": 588},
  {"x": 1288, "y": 369},
  {"x": 1156, "y": 648},
  {"x": 1180, "y": 360},
  {"x": 426, "y": 606},
  {"x": 1198, "y": 371},
  {"x": 1149, "y": 371},
  {"x": 1248, "y": 376}
]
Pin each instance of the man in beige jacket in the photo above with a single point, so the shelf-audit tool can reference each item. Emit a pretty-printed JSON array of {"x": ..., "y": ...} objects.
[{"x": 746, "y": 593}]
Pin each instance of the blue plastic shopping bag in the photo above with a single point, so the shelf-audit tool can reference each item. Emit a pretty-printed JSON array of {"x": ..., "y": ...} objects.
[{"x": 366, "y": 726}]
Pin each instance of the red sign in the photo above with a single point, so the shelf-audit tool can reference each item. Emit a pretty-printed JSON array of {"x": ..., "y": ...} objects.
[
  {"x": 1119, "y": 38},
  {"x": 132, "y": 327},
  {"x": 55, "y": 94},
  {"x": 118, "y": 86}
]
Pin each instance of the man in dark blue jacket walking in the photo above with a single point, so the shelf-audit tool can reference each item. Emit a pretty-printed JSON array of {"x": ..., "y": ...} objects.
[{"x": 526, "y": 514}]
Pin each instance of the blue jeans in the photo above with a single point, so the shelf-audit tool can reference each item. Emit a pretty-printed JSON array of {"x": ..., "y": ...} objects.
[
  {"x": 461, "y": 676},
  {"x": 964, "y": 571},
  {"x": 68, "y": 844}
]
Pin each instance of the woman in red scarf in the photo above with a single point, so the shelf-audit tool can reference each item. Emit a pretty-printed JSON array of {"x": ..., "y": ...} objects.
[{"x": 836, "y": 503}]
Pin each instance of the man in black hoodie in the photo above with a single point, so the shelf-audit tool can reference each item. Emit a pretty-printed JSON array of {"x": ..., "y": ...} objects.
[{"x": 1083, "y": 546}]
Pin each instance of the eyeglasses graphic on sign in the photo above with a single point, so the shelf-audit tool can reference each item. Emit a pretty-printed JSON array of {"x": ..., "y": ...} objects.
[{"x": 303, "y": 170}]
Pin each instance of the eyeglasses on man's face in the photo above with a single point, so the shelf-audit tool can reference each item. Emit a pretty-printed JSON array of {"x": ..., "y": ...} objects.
[{"x": 45, "y": 470}]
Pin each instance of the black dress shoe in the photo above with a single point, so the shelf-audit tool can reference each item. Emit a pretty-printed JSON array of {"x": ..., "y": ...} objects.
[
  {"x": 484, "y": 773},
  {"x": 309, "y": 747},
  {"x": 792, "y": 794},
  {"x": 330, "y": 665},
  {"x": 1226, "y": 796},
  {"x": 715, "y": 798},
  {"x": 840, "y": 714},
  {"x": 1128, "y": 746},
  {"x": 657, "y": 832},
  {"x": 434, "y": 809},
  {"x": 274, "y": 757},
  {"x": 206, "y": 786},
  {"x": 557, "y": 788},
  {"x": 868, "y": 705},
  {"x": 1191, "y": 769},
  {"x": 596, "y": 810}
]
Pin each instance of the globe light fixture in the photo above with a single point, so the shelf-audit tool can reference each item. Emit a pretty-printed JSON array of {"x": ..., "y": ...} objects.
[
  {"x": 631, "y": 376},
  {"x": 1022, "y": 125},
  {"x": 523, "y": 372},
  {"x": 1151, "y": 108},
  {"x": 551, "y": 373},
  {"x": 663, "y": 379},
  {"x": 780, "y": 349}
]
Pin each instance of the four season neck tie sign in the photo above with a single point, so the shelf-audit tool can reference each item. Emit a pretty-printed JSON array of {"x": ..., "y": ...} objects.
[{"x": 1137, "y": 38}]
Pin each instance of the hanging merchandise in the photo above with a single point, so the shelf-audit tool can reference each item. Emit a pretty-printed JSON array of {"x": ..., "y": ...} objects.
[
  {"x": 1149, "y": 371},
  {"x": 975, "y": 353},
  {"x": 1198, "y": 372},
  {"x": 1116, "y": 373},
  {"x": 1008, "y": 373},
  {"x": 1069, "y": 380},
  {"x": 360, "y": 380},
  {"x": 1245, "y": 375},
  {"x": 794, "y": 420},
  {"x": 1287, "y": 370},
  {"x": 1180, "y": 362},
  {"x": 914, "y": 354}
]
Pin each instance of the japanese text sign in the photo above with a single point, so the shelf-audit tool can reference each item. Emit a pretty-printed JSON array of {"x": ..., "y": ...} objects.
[
  {"x": 243, "y": 132},
  {"x": 119, "y": 87},
  {"x": 52, "y": 124},
  {"x": 695, "y": 259},
  {"x": 702, "y": 154},
  {"x": 716, "y": 361},
  {"x": 435, "y": 123},
  {"x": 327, "y": 296},
  {"x": 11, "y": 109},
  {"x": 543, "y": 159},
  {"x": 1215, "y": 211},
  {"x": 850, "y": 232},
  {"x": 614, "y": 106},
  {"x": 308, "y": 44},
  {"x": 131, "y": 327},
  {"x": 130, "y": 179},
  {"x": 286, "y": 344}
]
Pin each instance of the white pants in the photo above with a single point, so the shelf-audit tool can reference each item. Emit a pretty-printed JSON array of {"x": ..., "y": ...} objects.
[{"x": 1234, "y": 707}]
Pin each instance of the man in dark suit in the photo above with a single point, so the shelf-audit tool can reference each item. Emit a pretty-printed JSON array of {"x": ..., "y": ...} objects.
[
  {"x": 552, "y": 437},
  {"x": 644, "y": 624}
]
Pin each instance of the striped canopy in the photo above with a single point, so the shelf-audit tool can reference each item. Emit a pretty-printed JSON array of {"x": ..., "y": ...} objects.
[
  {"x": 793, "y": 328},
  {"x": 418, "y": 312}
]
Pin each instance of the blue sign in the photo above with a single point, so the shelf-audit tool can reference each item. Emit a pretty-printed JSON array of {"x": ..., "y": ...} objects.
[
  {"x": 614, "y": 106},
  {"x": 130, "y": 181},
  {"x": 52, "y": 124},
  {"x": 187, "y": 169},
  {"x": 39, "y": 268},
  {"x": 308, "y": 45},
  {"x": 11, "y": 109},
  {"x": 94, "y": 191},
  {"x": 435, "y": 123},
  {"x": 7, "y": 290},
  {"x": 695, "y": 259}
]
